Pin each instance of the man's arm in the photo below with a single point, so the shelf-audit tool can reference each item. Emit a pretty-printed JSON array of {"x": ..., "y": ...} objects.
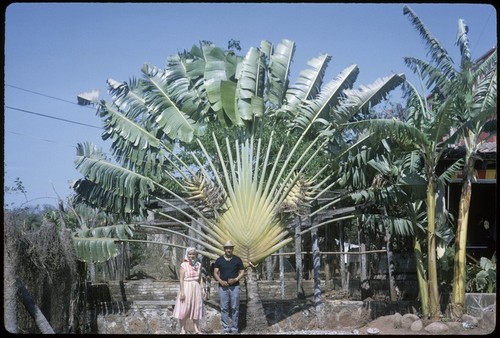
[
  {"x": 241, "y": 273},
  {"x": 217, "y": 277}
]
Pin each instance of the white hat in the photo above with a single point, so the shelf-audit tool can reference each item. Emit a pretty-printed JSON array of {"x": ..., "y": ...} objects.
[{"x": 228, "y": 244}]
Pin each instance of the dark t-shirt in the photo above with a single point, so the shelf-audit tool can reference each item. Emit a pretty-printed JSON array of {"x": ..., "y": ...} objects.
[{"x": 229, "y": 269}]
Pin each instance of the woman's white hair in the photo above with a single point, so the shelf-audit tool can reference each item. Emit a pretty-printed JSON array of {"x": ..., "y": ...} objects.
[{"x": 188, "y": 250}]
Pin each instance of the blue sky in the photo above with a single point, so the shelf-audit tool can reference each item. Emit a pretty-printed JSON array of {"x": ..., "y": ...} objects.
[{"x": 55, "y": 51}]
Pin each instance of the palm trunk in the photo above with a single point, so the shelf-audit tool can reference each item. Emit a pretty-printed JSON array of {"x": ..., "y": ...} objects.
[
  {"x": 316, "y": 267},
  {"x": 421, "y": 278},
  {"x": 343, "y": 270},
  {"x": 255, "y": 316},
  {"x": 282, "y": 273},
  {"x": 269, "y": 268},
  {"x": 363, "y": 265},
  {"x": 390, "y": 266},
  {"x": 318, "y": 303},
  {"x": 298, "y": 259},
  {"x": 434, "y": 307},
  {"x": 459, "y": 270},
  {"x": 328, "y": 259}
]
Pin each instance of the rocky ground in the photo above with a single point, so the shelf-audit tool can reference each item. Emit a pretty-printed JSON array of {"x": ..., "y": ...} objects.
[
  {"x": 352, "y": 322},
  {"x": 412, "y": 325},
  {"x": 396, "y": 324}
]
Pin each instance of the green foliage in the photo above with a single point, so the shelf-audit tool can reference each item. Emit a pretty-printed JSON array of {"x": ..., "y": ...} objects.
[
  {"x": 482, "y": 276},
  {"x": 232, "y": 129},
  {"x": 445, "y": 268},
  {"x": 280, "y": 137}
]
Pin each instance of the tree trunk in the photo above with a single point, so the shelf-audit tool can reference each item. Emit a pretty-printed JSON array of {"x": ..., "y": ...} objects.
[
  {"x": 318, "y": 303},
  {"x": 92, "y": 272},
  {"x": 316, "y": 267},
  {"x": 363, "y": 277},
  {"x": 342, "y": 259},
  {"x": 390, "y": 266},
  {"x": 328, "y": 259},
  {"x": 127, "y": 259},
  {"x": 434, "y": 306},
  {"x": 269, "y": 268},
  {"x": 255, "y": 316},
  {"x": 421, "y": 278},
  {"x": 298, "y": 259},
  {"x": 459, "y": 271},
  {"x": 30, "y": 305},
  {"x": 282, "y": 273}
]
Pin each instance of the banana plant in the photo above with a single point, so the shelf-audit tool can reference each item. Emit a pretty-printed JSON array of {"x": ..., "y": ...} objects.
[{"x": 470, "y": 91}]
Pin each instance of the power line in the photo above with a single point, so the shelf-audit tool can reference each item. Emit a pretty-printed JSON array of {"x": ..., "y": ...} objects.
[
  {"x": 45, "y": 95},
  {"x": 52, "y": 117},
  {"x": 40, "y": 139},
  {"x": 484, "y": 27}
]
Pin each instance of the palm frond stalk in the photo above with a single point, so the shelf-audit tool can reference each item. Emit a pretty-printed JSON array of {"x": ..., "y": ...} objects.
[{"x": 266, "y": 160}]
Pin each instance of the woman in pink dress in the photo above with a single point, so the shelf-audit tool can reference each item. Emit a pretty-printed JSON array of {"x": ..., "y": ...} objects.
[{"x": 189, "y": 302}]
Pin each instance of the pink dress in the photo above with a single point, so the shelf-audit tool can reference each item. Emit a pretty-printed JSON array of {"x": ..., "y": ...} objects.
[{"x": 192, "y": 305}]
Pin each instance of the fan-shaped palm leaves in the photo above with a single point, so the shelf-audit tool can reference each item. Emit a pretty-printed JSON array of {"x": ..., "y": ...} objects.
[
  {"x": 242, "y": 185},
  {"x": 242, "y": 190}
]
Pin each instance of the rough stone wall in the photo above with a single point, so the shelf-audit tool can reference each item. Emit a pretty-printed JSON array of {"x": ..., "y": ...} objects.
[{"x": 146, "y": 306}]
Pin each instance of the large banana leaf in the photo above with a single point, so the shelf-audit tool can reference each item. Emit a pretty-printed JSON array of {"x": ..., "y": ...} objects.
[
  {"x": 176, "y": 123},
  {"x": 95, "y": 249},
  {"x": 438, "y": 53},
  {"x": 249, "y": 86},
  {"x": 279, "y": 71},
  {"x": 319, "y": 108},
  {"x": 362, "y": 99},
  {"x": 308, "y": 84},
  {"x": 254, "y": 183}
]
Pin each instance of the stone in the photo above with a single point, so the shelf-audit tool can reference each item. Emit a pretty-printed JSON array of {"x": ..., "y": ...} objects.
[
  {"x": 408, "y": 319},
  {"x": 416, "y": 326},
  {"x": 436, "y": 328}
]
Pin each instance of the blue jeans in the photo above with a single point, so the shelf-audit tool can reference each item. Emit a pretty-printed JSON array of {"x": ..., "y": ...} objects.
[{"x": 229, "y": 300}]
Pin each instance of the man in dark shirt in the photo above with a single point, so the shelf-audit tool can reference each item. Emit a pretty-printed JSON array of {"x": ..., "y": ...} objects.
[{"x": 228, "y": 270}]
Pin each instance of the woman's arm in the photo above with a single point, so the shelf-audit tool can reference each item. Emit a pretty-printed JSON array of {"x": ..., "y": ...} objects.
[
  {"x": 181, "y": 283},
  {"x": 202, "y": 285}
]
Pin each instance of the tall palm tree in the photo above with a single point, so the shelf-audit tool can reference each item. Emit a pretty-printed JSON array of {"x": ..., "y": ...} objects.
[
  {"x": 471, "y": 92},
  {"x": 245, "y": 191}
]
